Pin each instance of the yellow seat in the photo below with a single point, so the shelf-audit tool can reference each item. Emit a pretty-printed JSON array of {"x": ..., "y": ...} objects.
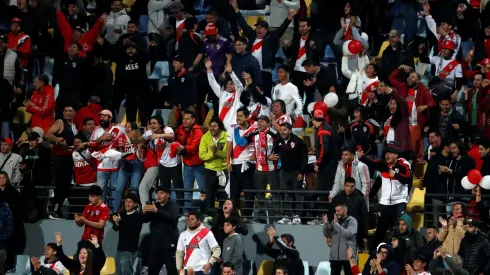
[
  {"x": 362, "y": 259},
  {"x": 266, "y": 267},
  {"x": 209, "y": 116},
  {"x": 253, "y": 19},
  {"x": 417, "y": 200},
  {"x": 417, "y": 220},
  {"x": 109, "y": 267},
  {"x": 138, "y": 121},
  {"x": 418, "y": 173},
  {"x": 113, "y": 69},
  {"x": 309, "y": 131},
  {"x": 22, "y": 116},
  {"x": 381, "y": 50},
  {"x": 51, "y": 32}
]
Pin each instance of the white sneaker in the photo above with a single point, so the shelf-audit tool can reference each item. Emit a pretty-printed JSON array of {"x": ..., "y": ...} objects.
[
  {"x": 208, "y": 219},
  {"x": 312, "y": 222},
  {"x": 284, "y": 221},
  {"x": 183, "y": 218},
  {"x": 296, "y": 220}
]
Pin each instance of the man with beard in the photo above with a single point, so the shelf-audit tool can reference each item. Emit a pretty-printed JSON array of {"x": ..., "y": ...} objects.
[
  {"x": 62, "y": 134},
  {"x": 117, "y": 22},
  {"x": 132, "y": 35},
  {"x": 196, "y": 237},
  {"x": 131, "y": 82},
  {"x": 394, "y": 55},
  {"x": 51, "y": 264},
  {"x": 432, "y": 238},
  {"x": 474, "y": 104},
  {"x": 293, "y": 155},
  {"x": 475, "y": 249},
  {"x": 419, "y": 100},
  {"x": 108, "y": 138}
]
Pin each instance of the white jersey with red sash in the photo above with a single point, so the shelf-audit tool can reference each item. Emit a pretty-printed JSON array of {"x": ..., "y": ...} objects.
[
  {"x": 369, "y": 86},
  {"x": 450, "y": 69},
  {"x": 229, "y": 102},
  {"x": 197, "y": 245},
  {"x": 257, "y": 50},
  {"x": 298, "y": 66},
  {"x": 258, "y": 109},
  {"x": 412, "y": 106},
  {"x": 284, "y": 118},
  {"x": 179, "y": 30},
  {"x": 57, "y": 266},
  {"x": 263, "y": 142},
  {"x": 120, "y": 141},
  {"x": 240, "y": 154},
  {"x": 389, "y": 131}
]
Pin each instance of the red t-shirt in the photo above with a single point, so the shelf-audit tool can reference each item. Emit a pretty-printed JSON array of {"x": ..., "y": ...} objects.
[{"x": 95, "y": 213}]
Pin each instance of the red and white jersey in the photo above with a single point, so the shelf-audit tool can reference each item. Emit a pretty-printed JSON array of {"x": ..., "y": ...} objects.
[
  {"x": 298, "y": 66},
  {"x": 85, "y": 172},
  {"x": 197, "y": 247},
  {"x": 263, "y": 143},
  {"x": 56, "y": 266},
  {"x": 369, "y": 86},
  {"x": 120, "y": 142},
  {"x": 284, "y": 118},
  {"x": 241, "y": 154},
  {"x": 257, "y": 50},
  {"x": 423, "y": 273},
  {"x": 447, "y": 68},
  {"x": 162, "y": 148}
]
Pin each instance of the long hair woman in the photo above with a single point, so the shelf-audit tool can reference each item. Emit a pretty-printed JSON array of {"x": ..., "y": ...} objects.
[{"x": 86, "y": 261}]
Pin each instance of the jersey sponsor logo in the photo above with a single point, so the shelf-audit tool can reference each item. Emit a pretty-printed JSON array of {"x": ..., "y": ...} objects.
[{"x": 131, "y": 67}]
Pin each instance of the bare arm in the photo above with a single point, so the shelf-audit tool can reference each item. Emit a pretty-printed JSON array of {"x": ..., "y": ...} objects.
[{"x": 55, "y": 129}]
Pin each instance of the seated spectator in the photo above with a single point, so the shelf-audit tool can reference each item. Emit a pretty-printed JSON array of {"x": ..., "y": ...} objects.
[
  {"x": 94, "y": 216},
  {"x": 287, "y": 256},
  {"x": 414, "y": 240},
  {"x": 433, "y": 243},
  {"x": 129, "y": 224},
  {"x": 381, "y": 262},
  {"x": 42, "y": 104},
  {"x": 444, "y": 265},
  {"x": 227, "y": 269},
  {"x": 10, "y": 162},
  {"x": 92, "y": 110},
  {"x": 51, "y": 264},
  {"x": 418, "y": 266},
  {"x": 86, "y": 260},
  {"x": 451, "y": 235},
  {"x": 475, "y": 249},
  {"x": 116, "y": 23},
  {"x": 233, "y": 247},
  {"x": 19, "y": 41}
]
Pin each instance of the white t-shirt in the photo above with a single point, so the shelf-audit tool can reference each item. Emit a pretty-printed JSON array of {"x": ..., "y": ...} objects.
[
  {"x": 162, "y": 146},
  {"x": 290, "y": 95},
  {"x": 240, "y": 155},
  {"x": 56, "y": 266},
  {"x": 198, "y": 243}
]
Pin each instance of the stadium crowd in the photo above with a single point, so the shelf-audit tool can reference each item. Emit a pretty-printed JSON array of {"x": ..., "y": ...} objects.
[{"x": 366, "y": 104}]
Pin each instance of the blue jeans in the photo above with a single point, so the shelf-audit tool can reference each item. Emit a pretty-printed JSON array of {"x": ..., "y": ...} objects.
[
  {"x": 191, "y": 174},
  {"x": 124, "y": 262},
  {"x": 104, "y": 180},
  {"x": 136, "y": 174}
]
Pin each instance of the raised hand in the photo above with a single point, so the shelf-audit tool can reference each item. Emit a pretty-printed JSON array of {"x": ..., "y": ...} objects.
[
  {"x": 208, "y": 64},
  {"x": 94, "y": 240},
  {"x": 443, "y": 222},
  {"x": 59, "y": 238},
  {"x": 228, "y": 68},
  {"x": 292, "y": 13},
  {"x": 234, "y": 5}
]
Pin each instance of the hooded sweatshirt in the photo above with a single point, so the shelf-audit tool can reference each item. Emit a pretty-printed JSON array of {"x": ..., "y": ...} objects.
[
  {"x": 412, "y": 237},
  {"x": 92, "y": 110},
  {"x": 390, "y": 267}
]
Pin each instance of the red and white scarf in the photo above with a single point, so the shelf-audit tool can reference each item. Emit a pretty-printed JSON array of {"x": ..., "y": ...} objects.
[{"x": 262, "y": 148}]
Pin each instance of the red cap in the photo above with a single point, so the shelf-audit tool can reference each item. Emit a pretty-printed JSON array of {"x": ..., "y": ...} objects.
[
  {"x": 448, "y": 44},
  {"x": 16, "y": 20},
  {"x": 8, "y": 141},
  {"x": 210, "y": 29},
  {"x": 318, "y": 115},
  {"x": 485, "y": 61}
]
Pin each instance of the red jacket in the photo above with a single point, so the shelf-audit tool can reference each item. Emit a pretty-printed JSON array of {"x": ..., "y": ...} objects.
[
  {"x": 92, "y": 110},
  {"x": 42, "y": 108},
  {"x": 480, "y": 103},
  {"x": 87, "y": 40},
  {"x": 190, "y": 140},
  {"x": 423, "y": 97},
  {"x": 20, "y": 43}
]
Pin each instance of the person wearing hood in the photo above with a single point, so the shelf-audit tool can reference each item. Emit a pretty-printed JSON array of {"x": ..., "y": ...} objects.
[
  {"x": 287, "y": 256},
  {"x": 382, "y": 262},
  {"x": 413, "y": 239},
  {"x": 19, "y": 41},
  {"x": 244, "y": 61},
  {"x": 92, "y": 110},
  {"x": 196, "y": 237},
  {"x": 355, "y": 202},
  {"x": 42, "y": 103},
  {"x": 116, "y": 23},
  {"x": 475, "y": 249},
  {"x": 342, "y": 231}
]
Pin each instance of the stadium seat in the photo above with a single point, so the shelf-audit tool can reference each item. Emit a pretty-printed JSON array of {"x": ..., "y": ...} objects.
[
  {"x": 329, "y": 55},
  {"x": 160, "y": 71},
  {"x": 56, "y": 91},
  {"x": 109, "y": 267},
  {"x": 208, "y": 118},
  {"x": 362, "y": 259},
  {"x": 417, "y": 220},
  {"x": 323, "y": 268},
  {"x": 22, "y": 116},
  {"x": 306, "y": 266},
  {"x": 266, "y": 268},
  {"x": 417, "y": 200},
  {"x": 280, "y": 54},
  {"x": 23, "y": 266}
]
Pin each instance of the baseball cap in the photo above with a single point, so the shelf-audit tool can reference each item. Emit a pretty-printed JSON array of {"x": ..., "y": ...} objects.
[
  {"x": 33, "y": 136},
  {"x": 95, "y": 190},
  {"x": 210, "y": 29},
  {"x": 485, "y": 61},
  {"x": 8, "y": 141},
  {"x": 16, "y": 20},
  {"x": 448, "y": 44},
  {"x": 267, "y": 119},
  {"x": 38, "y": 130},
  {"x": 176, "y": 7},
  {"x": 473, "y": 222},
  {"x": 163, "y": 189},
  {"x": 318, "y": 115},
  {"x": 263, "y": 24},
  {"x": 105, "y": 112},
  {"x": 393, "y": 147},
  {"x": 287, "y": 125}
]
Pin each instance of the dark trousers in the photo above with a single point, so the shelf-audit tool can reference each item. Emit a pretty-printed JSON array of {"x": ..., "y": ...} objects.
[
  {"x": 240, "y": 181},
  {"x": 386, "y": 220},
  {"x": 261, "y": 179},
  {"x": 63, "y": 167},
  {"x": 297, "y": 79},
  {"x": 289, "y": 181},
  {"x": 169, "y": 175},
  {"x": 161, "y": 256},
  {"x": 325, "y": 176},
  {"x": 267, "y": 83},
  {"x": 336, "y": 267},
  {"x": 212, "y": 185}
]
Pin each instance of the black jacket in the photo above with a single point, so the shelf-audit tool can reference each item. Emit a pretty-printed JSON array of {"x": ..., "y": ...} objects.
[
  {"x": 391, "y": 59},
  {"x": 271, "y": 41},
  {"x": 190, "y": 45},
  {"x": 293, "y": 154},
  {"x": 163, "y": 225},
  {"x": 181, "y": 89},
  {"x": 37, "y": 162},
  {"x": 454, "y": 118},
  {"x": 73, "y": 265},
  {"x": 327, "y": 146},
  {"x": 434, "y": 182},
  {"x": 325, "y": 78},
  {"x": 365, "y": 133},
  {"x": 475, "y": 252},
  {"x": 460, "y": 169},
  {"x": 246, "y": 63},
  {"x": 285, "y": 256},
  {"x": 357, "y": 208},
  {"x": 292, "y": 50},
  {"x": 130, "y": 71},
  {"x": 73, "y": 79}
]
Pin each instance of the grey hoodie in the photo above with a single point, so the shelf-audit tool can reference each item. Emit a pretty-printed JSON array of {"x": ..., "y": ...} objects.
[
  {"x": 233, "y": 252},
  {"x": 343, "y": 234}
]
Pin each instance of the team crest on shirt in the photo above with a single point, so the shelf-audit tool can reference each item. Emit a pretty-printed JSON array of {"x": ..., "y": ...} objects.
[
  {"x": 450, "y": 66},
  {"x": 182, "y": 80},
  {"x": 97, "y": 212},
  {"x": 74, "y": 64},
  {"x": 198, "y": 238},
  {"x": 364, "y": 129},
  {"x": 293, "y": 144}
]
